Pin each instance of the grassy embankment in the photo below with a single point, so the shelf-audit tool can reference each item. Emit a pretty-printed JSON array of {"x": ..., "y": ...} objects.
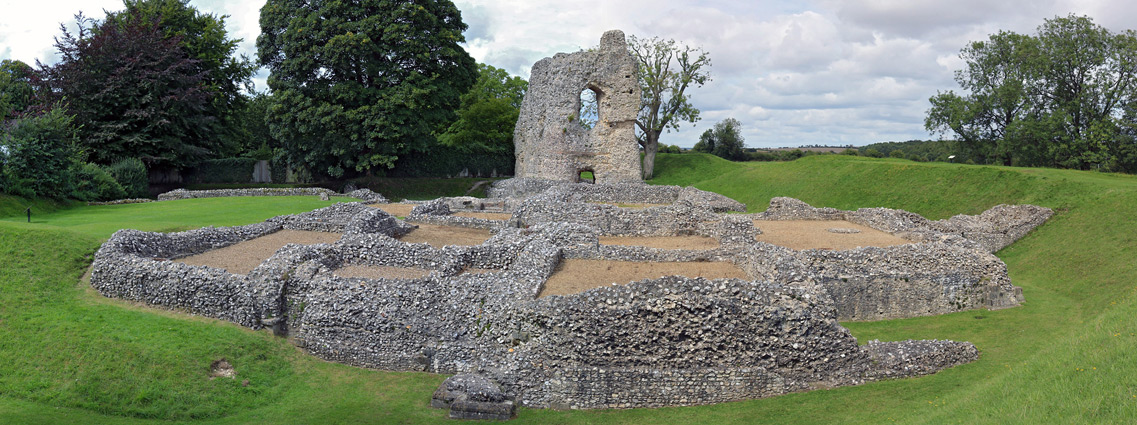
[{"x": 1069, "y": 355}]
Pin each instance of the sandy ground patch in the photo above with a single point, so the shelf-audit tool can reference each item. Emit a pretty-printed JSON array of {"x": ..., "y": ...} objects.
[
  {"x": 485, "y": 215},
  {"x": 397, "y": 210},
  {"x": 815, "y": 234},
  {"x": 663, "y": 242},
  {"x": 575, "y": 276},
  {"x": 475, "y": 270},
  {"x": 243, "y": 257},
  {"x": 440, "y": 236},
  {"x": 632, "y": 205},
  {"x": 381, "y": 272}
]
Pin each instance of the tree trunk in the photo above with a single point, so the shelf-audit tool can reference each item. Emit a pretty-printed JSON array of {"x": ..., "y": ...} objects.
[{"x": 651, "y": 145}]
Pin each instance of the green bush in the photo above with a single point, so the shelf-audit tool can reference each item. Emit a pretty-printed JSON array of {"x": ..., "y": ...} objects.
[
  {"x": 896, "y": 154},
  {"x": 41, "y": 150},
  {"x": 224, "y": 170},
  {"x": 132, "y": 175},
  {"x": 761, "y": 156},
  {"x": 791, "y": 155},
  {"x": 874, "y": 153},
  {"x": 93, "y": 183}
]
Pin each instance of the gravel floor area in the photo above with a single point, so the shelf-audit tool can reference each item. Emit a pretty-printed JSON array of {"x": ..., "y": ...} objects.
[
  {"x": 574, "y": 276},
  {"x": 638, "y": 206},
  {"x": 816, "y": 234},
  {"x": 485, "y": 215},
  {"x": 397, "y": 210},
  {"x": 440, "y": 236},
  {"x": 662, "y": 242},
  {"x": 242, "y": 258}
]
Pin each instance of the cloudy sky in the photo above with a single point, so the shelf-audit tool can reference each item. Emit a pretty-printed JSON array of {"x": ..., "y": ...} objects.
[{"x": 830, "y": 72}]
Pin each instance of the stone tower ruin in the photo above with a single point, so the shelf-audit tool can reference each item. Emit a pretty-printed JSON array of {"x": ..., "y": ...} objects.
[{"x": 551, "y": 143}]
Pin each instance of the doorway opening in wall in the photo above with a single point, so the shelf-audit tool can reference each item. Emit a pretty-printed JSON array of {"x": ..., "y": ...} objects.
[
  {"x": 585, "y": 176},
  {"x": 589, "y": 107}
]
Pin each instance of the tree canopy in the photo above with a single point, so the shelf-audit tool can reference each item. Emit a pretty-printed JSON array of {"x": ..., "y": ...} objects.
[
  {"x": 134, "y": 92},
  {"x": 1056, "y": 98},
  {"x": 724, "y": 140},
  {"x": 358, "y": 83},
  {"x": 488, "y": 113},
  {"x": 203, "y": 38},
  {"x": 666, "y": 71},
  {"x": 15, "y": 89}
]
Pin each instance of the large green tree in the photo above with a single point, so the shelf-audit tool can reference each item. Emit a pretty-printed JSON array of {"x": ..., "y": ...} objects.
[
  {"x": 40, "y": 155},
  {"x": 15, "y": 89},
  {"x": 724, "y": 140},
  {"x": 356, "y": 83},
  {"x": 666, "y": 71},
  {"x": 1055, "y": 98},
  {"x": 488, "y": 113}
]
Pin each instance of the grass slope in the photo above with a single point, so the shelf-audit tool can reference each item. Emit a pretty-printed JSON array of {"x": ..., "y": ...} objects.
[{"x": 1067, "y": 356}]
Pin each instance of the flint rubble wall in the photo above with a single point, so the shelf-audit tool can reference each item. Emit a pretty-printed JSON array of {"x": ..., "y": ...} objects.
[{"x": 658, "y": 342}]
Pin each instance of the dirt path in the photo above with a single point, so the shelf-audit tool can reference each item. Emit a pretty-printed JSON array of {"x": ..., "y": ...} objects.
[
  {"x": 635, "y": 206},
  {"x": 243, "y": 257},
  {"x": 576, "y": 276},
  {"x": 663, "y": 242},
  {"x": 440, "y": 236},
  {"x": 397, "y": 210},
  {"x": 815, "y": 234},
  {"x": 485, "y": 215}
]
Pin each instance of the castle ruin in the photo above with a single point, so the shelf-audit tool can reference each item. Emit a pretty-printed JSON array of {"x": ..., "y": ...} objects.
[{"x": 551, "y": 143}]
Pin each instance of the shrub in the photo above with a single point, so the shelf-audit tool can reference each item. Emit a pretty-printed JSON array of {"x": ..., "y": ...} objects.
[
  {"x": 93, "y": 183},
  {"x": 873, "y": 153},
  {"x": 851, "y": 152},
  {"x": 41, "y": 151},
  {"x": 132, "y": 175},
  {"x": 791, "y": 155},
  {"x": 896, "y": 154},
  {"x": 761, "y": 156}
]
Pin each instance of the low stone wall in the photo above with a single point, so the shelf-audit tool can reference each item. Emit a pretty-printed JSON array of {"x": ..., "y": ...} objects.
[
  {"x": 657, "y": 342},
  {"x": 219, "y": 193},
  {"x": 991, "y": 230}
]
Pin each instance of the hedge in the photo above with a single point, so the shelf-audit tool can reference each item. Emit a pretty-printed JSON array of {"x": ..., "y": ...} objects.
[
  {"x": 223, "y": 170},
  {"x": 448, "y": 162}
]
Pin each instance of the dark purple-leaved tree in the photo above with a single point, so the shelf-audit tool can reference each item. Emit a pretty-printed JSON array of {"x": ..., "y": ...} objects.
[{"x": 134, "y": 92}]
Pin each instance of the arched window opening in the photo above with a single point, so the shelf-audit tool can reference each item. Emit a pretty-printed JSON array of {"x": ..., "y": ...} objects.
[{"x": 589, "y": 107}]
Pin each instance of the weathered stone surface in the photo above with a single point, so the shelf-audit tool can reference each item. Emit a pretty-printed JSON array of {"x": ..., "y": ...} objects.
[
  {"x": 550, "y": 142},
  {"x": 470, "y": 396},
  {"x": 658, "y": 342}
]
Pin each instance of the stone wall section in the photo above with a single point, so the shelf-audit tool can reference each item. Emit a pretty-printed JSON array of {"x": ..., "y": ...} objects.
[
  {"x": 657, "y": 342},
  {"x": 550, "y": 142}
]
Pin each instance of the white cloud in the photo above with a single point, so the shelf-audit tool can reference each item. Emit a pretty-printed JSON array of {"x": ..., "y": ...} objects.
[{"x": 813, "y": 72}]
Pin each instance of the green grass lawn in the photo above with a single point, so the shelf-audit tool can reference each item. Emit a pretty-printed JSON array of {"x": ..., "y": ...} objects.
[{"x": 1068, "y": 355}]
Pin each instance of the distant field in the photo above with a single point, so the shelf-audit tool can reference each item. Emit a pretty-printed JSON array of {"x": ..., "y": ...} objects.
[{"x": 1068, "y": 355}]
